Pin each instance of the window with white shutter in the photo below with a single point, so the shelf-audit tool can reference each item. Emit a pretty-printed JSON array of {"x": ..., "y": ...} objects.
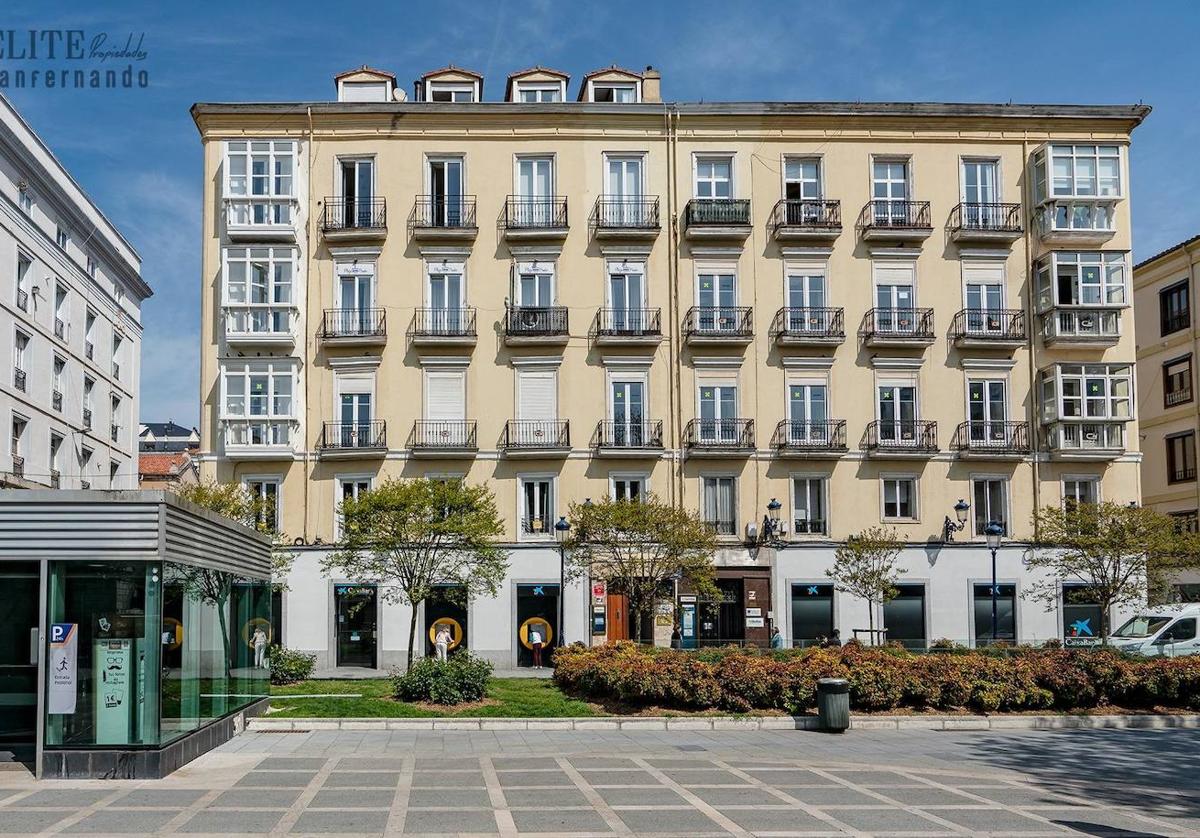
[{"x": 537, "y": 396}]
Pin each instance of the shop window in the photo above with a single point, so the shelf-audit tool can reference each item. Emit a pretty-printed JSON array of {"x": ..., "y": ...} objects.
[
  {"x": 1006, "y": 613},
  {"x": 812, "y": 613},
  {"x": 904, "y": 617}
]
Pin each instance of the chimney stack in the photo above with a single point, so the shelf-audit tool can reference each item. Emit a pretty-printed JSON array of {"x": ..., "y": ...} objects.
[{"x": 651, "y": 85}]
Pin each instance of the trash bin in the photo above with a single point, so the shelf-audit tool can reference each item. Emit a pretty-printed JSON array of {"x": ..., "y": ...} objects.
[{"x": 833, "y": 704}]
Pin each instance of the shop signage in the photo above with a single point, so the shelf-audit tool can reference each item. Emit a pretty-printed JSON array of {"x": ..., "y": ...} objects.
[
  {"x": 599, "y": 589},
  {"x": 752, "y": 595},
  {"x": 753, "y": 612},
  {"x": 754, "y": 623},
  {"x": 64, "y": 653},
  {"x": 112, "y": 663}
]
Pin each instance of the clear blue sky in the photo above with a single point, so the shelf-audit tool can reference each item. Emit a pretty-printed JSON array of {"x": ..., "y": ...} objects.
[{"x": 137, "y": 152}]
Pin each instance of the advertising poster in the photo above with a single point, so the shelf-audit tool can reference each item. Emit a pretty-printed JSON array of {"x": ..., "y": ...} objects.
[
  {"x": 64, "y": 654},
  {"x": 112, "y": 668}
]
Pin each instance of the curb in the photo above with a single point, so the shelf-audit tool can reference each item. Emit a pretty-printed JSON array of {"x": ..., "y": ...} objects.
[{"x": 263, "y": 724}]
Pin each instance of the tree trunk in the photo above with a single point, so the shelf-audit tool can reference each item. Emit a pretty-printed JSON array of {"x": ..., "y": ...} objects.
[
  {"x": 224, "y": 635},
  {"x": 412, "y": 634},
  {"x": 1105, "y": 628},
  {"x": 871, "y": 621},
  {"x": 637, "y": 625}
]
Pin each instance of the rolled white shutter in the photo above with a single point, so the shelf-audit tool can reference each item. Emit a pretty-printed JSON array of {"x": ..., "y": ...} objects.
[
  {"x": 984, "y": 273},
  {"x": 445, "y": 396},
  {"x": 536, "y": 396}
]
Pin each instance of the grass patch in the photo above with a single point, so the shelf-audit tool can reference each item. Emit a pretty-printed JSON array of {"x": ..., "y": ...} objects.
[{"x": 507, "y": 698}]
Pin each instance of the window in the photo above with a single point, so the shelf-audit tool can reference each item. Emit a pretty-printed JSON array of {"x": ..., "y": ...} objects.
[
  {"x": 260, "y": 181},
  {"x": 88, "y": 386},
  {"x": 25, "y": 200},
  {"x": 991, "y": 503},
  {"x": 1177, "y": 382},
  {"x": 1006, "y": 612},
  {"x": 904, "y": 616},
  {"x": 60, "y": 312},
  {"x": 115, "y": 412},
  {"x": 808, "y": 506},
  {"x": 257, "y": 396},
  {"x": 1182, "y": 630},
  {"x": 537, "y": 506},
  {"x": 714, "y": 177},
  {"x": 116, "y": 355},
  {"x": 900, "y": 498},
  {"x": 1181, "y": 457},
  {"x": 61, "y": 238},
  {"x": 620, "y": 92},
  {"x": 114, "y": 469},
  {"x": 1081, "y": 279},
  {"x": 808, "y": 413},
  {"x": 349, "y": 488},
  {"x": 1087, "y": 391},
  {"x": 1188, "y": 521},
  {"x": 889, "y": 191},
  {"x": 445, "y": 91},
  {"x": 60, "y": 366},
  {"x": 23, "y": 265},
  {"x": 718, "y": 413},
  {"x": 802, "y": 179},
  {"x": 265, "y": 493},
  {"x": 18, "y": 445},
  {"x": 987, "y": 412},
  {"x": 719, "y": 504},
  {"x": 357, "y": 184},
  {"x": 980, "y": 185},
  {"x": 1085, "y": 171},
  {"x": 447, "y": 296},
  {"x": 89, "y": 330},
  {"x": 1081, "y": 615},
  {"x": 447, "y": 187},
  {"x": 895, "y": 296},
  {"x": 627, "y": 487},
  {"x": 1174, "y": 308},
  {"x": 258, "y": 289},
  {"x": 812, "y": 613},
  {"x": 91, "y": 266},
  {"x": 536, "y": 92},
  {"x": 55, "y": 466},
  {"x": 363, "y": 91},
  {"x": 85, "y": 466},
  {"x": 1077, "y": 490},
  {"x": 897, "y": 411}
]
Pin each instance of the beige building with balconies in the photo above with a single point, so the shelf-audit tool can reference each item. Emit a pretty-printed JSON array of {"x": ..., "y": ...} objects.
[{"x": 840, "y": 314}]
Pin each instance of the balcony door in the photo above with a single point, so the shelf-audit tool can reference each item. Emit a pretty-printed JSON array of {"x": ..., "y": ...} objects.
[
  {"x": 898, "y": 414},
  {"x": 446, "y": 192},
  {"x": 535, "y": 290},
  {"x": 802, "y": 189},
  {"x": 717, "y": 299},
  {"x": 355, "y": 298},
  {"x": 894, "y": 303},
  {"x": 988, "y": 409},
  {"x": 623, "y": 205},
  {"x": 355, "y": 420},
  {"x": 625, "y": 290},
  {"x": 446, "y": 300},
  {"x": 535, "y": 189},
  {"x": 445, "y": 408},
  {"x": 889, "y": 188},
  {"x": 985, "y": 299},
  {"x": 806, "y": 302},
  {"x": 807, "y": 412},
  {"x": 718, "y": 412},
  {"x": 628, "y": 399},
  {"x": 980, "y": 188},
  {"x": 358, "y": 188}
]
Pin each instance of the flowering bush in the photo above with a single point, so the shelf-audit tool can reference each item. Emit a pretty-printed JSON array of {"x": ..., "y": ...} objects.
[{"x": 742, "y": 680}]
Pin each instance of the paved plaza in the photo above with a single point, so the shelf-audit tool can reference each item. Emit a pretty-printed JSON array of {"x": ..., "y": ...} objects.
[{"x": 679, "y": 783}]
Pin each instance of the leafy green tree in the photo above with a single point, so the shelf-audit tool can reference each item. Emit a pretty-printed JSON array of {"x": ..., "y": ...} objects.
[
  {"x": 864, "y": 566},
  {"x": 638, "y": 547},
  {"x": 408, "y": 536},
  {"x": 1116, "y": 554}
]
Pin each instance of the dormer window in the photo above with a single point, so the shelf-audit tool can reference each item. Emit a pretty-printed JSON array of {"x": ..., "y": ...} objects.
[
  {"x": 537, "y": 85},
  {"x": 614, "y": 85},
  {"x": 450, "y": 84},
  {"x": 450, "y": 92},
  {"x": 537, "y": 92},
  {"x": 365, "y": 85},
  {"x": 620, "y": 92}
]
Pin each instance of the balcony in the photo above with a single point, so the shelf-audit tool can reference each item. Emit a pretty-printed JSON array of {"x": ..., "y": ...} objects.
[
  {"x": 56, "y": 400},
  {"x": 622, "y": 219},
  {"x": 443, "y": 218},
  {"x": 55, "y": 479},
  {"x": 89, "y": 350},
  {"x": 988, "y": 440},
  {"x": 1176, "y": 322},
  {"x": 87, "y": 418},
  {"x": 973, "y": 222},
  {"x": 719, "y": 325},
  {"x": 116, "y": 370},
  {"x": 801, "y": 221},
  {"x": 1075, "y": 440},
  {"x": 892, "y": 327},
  {"x": 810, "y": 440},
  {"x": 717, "y": 218},
  {"x": 536, "y": 438},
  {"x": 352, "y": 440},
  {"x": 1174, "y": 398},
  {"x": 989, "y": 328},
  {"x": 628, "y": 439},
  {"x": 629, "y": 326},
  {"x": 18, "y": 466},
  {"x": 60, "y": 328},
  {"x": 534, "y": 218},
  {"x": 353, "y": 327},
  {"x": 809, "y": 327},
  {"x": 1076, "y": 223},
  {"x": 443, "y": 438},
  {"x": 354, "y": 219},
  {"x": 259, "y": 218},
  {"x": 1081, "y": 326},
  {"x": 443, "y": 326},
  {"x": 114, "y": 432},
  {"x": 904, "y": 439},
  {"x": 525, "y": 325},
  {"x": 258, "y": 439},
  {"x": 19, "y": 378},
  {"x": 719, "y": 437},
  {"x": 23, "y": 299},
  {"x": 260, "y": 325},
  {"x": 889, "y": 220}
]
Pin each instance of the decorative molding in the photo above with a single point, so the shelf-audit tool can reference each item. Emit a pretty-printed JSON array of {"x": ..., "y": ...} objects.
[
  {"x": 718, "y": 363},
  {"x": 819, "y": 363},
  {"x": 443, "y": 253},
  {"x": 359, "y": 362},
  {"x": 699, "y": 251},
  {"x": 629, "y": 362},
  {"x": 535, "y": 252},
  {"x": 894, "y": 252},
  {"x": 889, "y": 363},
  {"x": 444, "y": 360},
  {"x": 631, "y": 251},
  {"x": 993, "y": 253},
  {"x": 987, "y": 363},
  {"x": 802, "y": 253},
  {"x": 537, "y": 361},
  {"x": 354, "y": 252}
]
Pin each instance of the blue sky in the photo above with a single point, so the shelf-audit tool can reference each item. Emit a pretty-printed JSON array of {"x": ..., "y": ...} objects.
[{"x": 137, "y": 152}]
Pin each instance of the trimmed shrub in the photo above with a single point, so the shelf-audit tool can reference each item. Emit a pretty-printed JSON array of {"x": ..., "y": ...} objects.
[
  {"x": 289, "y": 666},
  {"x": 460, "y": 679}
]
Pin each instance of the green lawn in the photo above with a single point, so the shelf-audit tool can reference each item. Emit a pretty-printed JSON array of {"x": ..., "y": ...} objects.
[{"x": 512, "y": 697}]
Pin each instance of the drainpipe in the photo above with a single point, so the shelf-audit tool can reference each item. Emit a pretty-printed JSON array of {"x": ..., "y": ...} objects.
[
  {"x": 307, "y": 464},
  {"x": 1030, "y": 325},
  {"x": 1187, "y": 252},
  {"x": 672, "y": 116}
]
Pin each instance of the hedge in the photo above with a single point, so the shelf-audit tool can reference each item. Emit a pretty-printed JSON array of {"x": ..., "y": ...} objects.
[
  {"x": 289, "y": 666},
  {"x": 881, "y": 679},
  {"x": 460, "y": 679}
]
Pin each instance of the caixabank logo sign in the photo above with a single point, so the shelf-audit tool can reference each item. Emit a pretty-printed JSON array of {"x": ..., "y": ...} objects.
[{"x": 72, "y": 59}]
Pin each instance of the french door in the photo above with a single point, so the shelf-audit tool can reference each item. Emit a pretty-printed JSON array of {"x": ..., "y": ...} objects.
[
  {"x": 988, "y": 410},
  {"x": 628, "y": 413},
  {"x": 355, "y": 300},
  {"x": 807, "y": 413},
  {"x": 718, "y": 414},
  {"x": 806, "y": 303},
  {"x": 985, "y": 304},
  {"x": 358, "y": 186},
  {"x": 898, "y": 414},
  {"x": 625, "y": 301},
  {"x": 356, "y": 420},
  {"x": 894, "y": 308},
  {"x": 446, "y": 192},
  {"x": 717, "y": 298},
  {"x": 446, "y": 302},
  {"x": 535, "y": 188},
  {"x": 623, "y": 205},
  {"x": 980, "y": 193},
  {"x": 890, "y": 191}
]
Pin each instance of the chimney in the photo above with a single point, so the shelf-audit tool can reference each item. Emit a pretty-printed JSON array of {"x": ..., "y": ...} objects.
[{"x": 651, "y": 85}]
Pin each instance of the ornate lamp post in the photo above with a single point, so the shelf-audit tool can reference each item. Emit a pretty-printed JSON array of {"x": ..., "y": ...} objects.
[
  {"x": 994, "y": 533},
  {"x": 949, "y": 528}
]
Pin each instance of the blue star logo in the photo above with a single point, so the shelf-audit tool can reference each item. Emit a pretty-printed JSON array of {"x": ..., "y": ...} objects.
[
  {"x": 538, "y": 590},
  {"x": 1082, "y": 627},
  {"x": 812, "y": 590}
]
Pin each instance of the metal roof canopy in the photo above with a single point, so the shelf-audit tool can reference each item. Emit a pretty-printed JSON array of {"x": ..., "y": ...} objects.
[{"x": 144, "y": 525}]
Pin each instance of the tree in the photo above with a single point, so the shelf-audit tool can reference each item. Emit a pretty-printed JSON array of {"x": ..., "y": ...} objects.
[
  {"x": 408, "y": 536},
  {"x": 1114, "y": 553},
  {"x": 865, "y": 566},
  {"x": 637, "y": 547}
]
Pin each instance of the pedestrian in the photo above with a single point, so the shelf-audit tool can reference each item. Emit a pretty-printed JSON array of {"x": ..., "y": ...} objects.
[
  {"x": 441, "y": 641},
  {"x": 834, "y": 641},
  {"x": 776, "y": 638},
  {"x": 535, "y": 640},
  {"x": 259, "y": 641},
  {"x": 676, "y": 637}
]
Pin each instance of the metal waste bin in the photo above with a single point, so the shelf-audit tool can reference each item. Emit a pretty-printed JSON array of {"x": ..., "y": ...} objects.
[{"x": 833, "y": 704}]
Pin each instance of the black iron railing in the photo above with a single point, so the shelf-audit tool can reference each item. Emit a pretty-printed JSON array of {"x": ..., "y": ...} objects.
[
  {"x": 722, "y": 527},
  {"x": 443, "y": 212},
  {"x": 354, "y": 214},
  {"x": 536, "y": 433},
  {"x": 18, "y": 466},
  {"x": 353, "y": 323},
  {"x": 719, "y": 321},
  {"x": 534, "y": 213},
  {"x": 22, "y": 299},
  {"x": 628, "y": 322},
  {"x": 55, "y": 478},
  {"x": 717, "y": 212},
  {"x": 1176, "y": 322},
  {"x": 116, "y": 369},
  {"x": 114, "y": 431},
  {"x": 802, "y": 435},
  {"x": 992, "y": 436},
  {"x": 894, "y": 214},
  {"x": 19, "y": 378},
  {"x": 87, "y": 418},
  {"x": 60, "y": 328},
  {"x": 809, "y": 214},
  {"x": 337, "y": 436},
  {"x": 535, "y": 321},
  {"x": 625, "y": 213},
  {"x": 993, "y": 218},
  {"x": 825, "y": 323},
  {"x": 809, "y": 526},
  {"x": 628, "y": 434},
  {"x": 1182, "y": 474},
  {"x": 898, "y": 323},
  {"x": 443, "y": 433},
  {"x": 719, "y": 433},
  {"x": 443, "y": 322},
  {"x": 1001, "y": 324},
  {"x": 56, "y": 400},
  {"x": 89, "y": 350},
  {"x": 916, "y": 435},
  {"x": 1174, "y": 397}
]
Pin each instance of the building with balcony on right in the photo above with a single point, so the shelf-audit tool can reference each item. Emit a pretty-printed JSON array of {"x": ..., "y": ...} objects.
[{"x": 1166, "y": 356}]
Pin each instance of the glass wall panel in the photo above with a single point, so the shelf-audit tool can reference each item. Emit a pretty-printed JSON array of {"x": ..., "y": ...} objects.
[
  {"x": 904, "y": 616},
  {"x": 1006, "y": 611},
  {"x": 812, "y": 613}
]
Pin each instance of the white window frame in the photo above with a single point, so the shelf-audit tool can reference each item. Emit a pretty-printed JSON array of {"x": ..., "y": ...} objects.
[
  {"x": 21, "y": 340},
  {"x": 724, "y": 475},
  {"x": 909, "y": 184},
  {"x": 339, "y": 163},
  {"x": 820, "y": 179},
  {"x": 278, "y": 149},
  {"x": 273, "y": 368},
  {"x": 559, "y": 88},
  {"x": 1006, "y": 481},
  {"x": 624, "y": 266},
  {"x": 966, "y": 159},
  {"x": 698, "y": 157},
  {"x": 628, "y": 476},
  {"x": 447, "y": 266},
  {"x": 824, "y": 483},
  {"x": 353, "y": 383},
  {"x": 262, "y": 479},
  {"x": 453, "y": 88},
  {"x": 1080, "y": 478},
  {"x": 547, "y": 533},
  {"x": 516, "y": 175},
  {"x": 716, "y": 269},
  {"x": 623, "y": 84},
  {"x": 61, "y": 237},
  {"x": 990, "y": 377},
  {"x": 26, "y": 200},
  {"x": 536, "y": 266},
  {"x": 1076, "y": 152},
  {"x": 447, "y": 372},
  {"x": 1107, "y": 261},
  {"x": 915, "y": 479},
  {"x": 1055, "y": 374},
  {"x": 339, "y": 482}
]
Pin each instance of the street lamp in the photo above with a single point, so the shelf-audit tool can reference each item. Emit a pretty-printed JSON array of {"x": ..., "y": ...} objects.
[
  {"x": 949, "y": 528},
  {"x": 994, "y": 532},
  {"x": 561, "y": 527},
  {"x": 773, "y": 529}
]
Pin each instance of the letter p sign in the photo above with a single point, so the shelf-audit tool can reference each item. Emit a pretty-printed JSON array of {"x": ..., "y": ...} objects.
[{"x": 59, "y": 632}]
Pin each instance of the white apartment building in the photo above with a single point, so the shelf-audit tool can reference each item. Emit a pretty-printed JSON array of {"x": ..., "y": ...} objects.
[{"x": 71, "y": 294}]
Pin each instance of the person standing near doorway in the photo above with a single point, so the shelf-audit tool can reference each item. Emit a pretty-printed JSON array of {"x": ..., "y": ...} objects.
[
  {"x": 535, "y": 640},
  {"x": 441, "y": 642},
  {"x": 259, "y": 641}
]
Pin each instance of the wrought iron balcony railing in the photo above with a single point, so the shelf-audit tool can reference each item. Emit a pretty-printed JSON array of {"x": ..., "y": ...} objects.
[
  {"x": 18, "y": 466},
  {"x": 19, "y": 378},
  {"x": 22, "y": 299},
  {"x": 722, "y": 526},
  {"x": 886, "y": 213},
  {"x": 902, "y": 435},
  {"x": 353, "y": 323},
  {"x": 810, "y": 214},
  {"x": 809, "y": 526},
  {"x": 535, "y": 321},
  {"x": 991, "y": 218},
  {"x": 339, "y": 214},
  {"x": 898, "y": 324},
  {"x": 617, "y": 213},
  {"x": 444, "y": 322},
  {"x": 719, "y": 322},
  {"x": 56, "y": 399},
  {"x": 536, "y": 433},
  {"x": 802, "y": 435},
  {"x": 341, "y": 436},
  {"x": 87, "y": 418},
  {"x": 1002, "y": 324},
  {"x": 817, "y": 323},
  {"x": 55, "y": 478},
  {"x": 443, "y": 433},
  {"x": 734, "y": 434},
  {"x": 992, "y": 437},
  {"x": 89, "y": 350},
  {"x": 1176, "y": 322},
  {"x": 628, "y": 322},
  {"x": 717, "y": 212},
  {"x": 1182, "y": 474},
  {"x": 628, "y": 434},
  {"x": 1183, "y": 395},
  {"x": 521, "y": 213},
  {"x": 443, "y": 212}
]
